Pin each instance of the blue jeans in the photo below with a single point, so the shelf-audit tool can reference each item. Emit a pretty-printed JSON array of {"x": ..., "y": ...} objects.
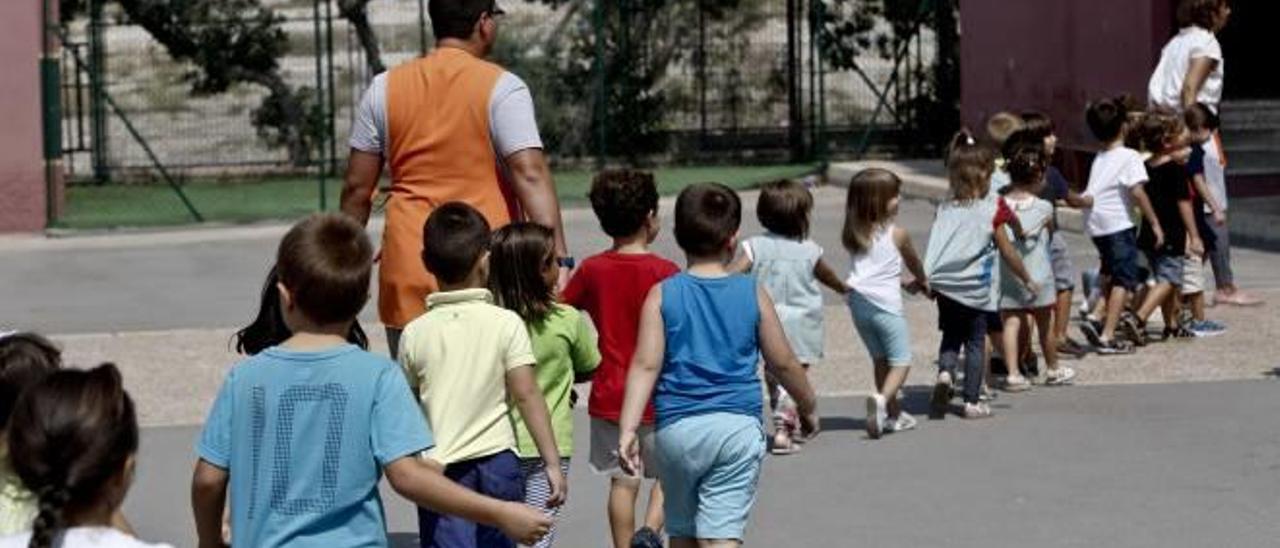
[
  {"x": 962, "y": 327},
  {"x": 497, "y": 476}
]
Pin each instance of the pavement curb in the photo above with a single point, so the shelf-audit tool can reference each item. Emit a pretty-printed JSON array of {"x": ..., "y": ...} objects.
[{"x": 925, "y": 180}]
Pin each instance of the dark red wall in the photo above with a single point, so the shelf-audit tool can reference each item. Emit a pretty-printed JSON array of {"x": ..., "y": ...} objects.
[
  {"x": 22, "y": 188},
  {"x": 1056, "y": 55}
]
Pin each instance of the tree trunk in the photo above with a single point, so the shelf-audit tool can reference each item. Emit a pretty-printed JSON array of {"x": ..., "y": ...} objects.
[{"x": 356, "y": 12}]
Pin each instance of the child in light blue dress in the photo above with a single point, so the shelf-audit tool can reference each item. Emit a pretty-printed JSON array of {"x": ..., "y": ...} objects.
[{"x": 790, "y": 267}]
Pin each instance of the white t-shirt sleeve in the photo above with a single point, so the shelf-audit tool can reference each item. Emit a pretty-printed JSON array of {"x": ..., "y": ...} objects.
[
  {"x": 1206, "y": 46},
  {"x": 369, "y": 129},
  {"x": 513, "y": 126},
  {"x": 1134, "y": 172}
]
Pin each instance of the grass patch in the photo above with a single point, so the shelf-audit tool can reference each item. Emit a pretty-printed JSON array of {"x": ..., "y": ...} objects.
[{"x": 110, "y": 206}]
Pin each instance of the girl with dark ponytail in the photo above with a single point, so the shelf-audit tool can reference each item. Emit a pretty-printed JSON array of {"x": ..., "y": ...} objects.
[{"x": 72, "y": 440}]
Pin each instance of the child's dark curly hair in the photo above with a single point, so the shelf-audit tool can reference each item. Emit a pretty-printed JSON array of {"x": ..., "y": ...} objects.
[
  {"x": 1027, "y": 164},
  {"x": 623, "y": 199}
]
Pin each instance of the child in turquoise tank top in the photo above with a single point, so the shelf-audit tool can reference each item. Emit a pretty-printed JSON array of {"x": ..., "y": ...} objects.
[{"x": 789, "y": 266}]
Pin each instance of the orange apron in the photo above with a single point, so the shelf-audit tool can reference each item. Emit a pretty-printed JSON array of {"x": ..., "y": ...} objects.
[{"x": 439, "y": 150}]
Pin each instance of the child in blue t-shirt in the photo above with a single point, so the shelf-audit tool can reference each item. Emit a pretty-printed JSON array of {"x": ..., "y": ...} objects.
[
  {"x": 702, "y": 332},
  {"x": 303, "y": 430}
]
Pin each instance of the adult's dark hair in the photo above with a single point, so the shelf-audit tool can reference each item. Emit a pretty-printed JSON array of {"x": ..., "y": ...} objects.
[
  {"x": 1106, "y": 118},
  {"x": 1199, "y": 116},
  {"x": 325, "y": 261},
  {"x": 969, "y": 166},
  {"x": 1026, "y": 164},
  {"x": 72, "y": 434},
  {"x": 707, "y": 217},
  {"x": 1201, "y": 13},
  {"x": 25, "y": 358},
  {"x": 783, "y": 208},
  {"x": 457, "y": 18},
  {"x": 622, "y": 200},
  {"x": 268, "y": 328},
  {"x": 454, "y": 238},
  {"x": 519, "y": 255}
]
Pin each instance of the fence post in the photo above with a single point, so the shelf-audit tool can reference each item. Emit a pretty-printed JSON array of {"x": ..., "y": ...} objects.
[
  {"x": 795, "y": 103},
  {"x": 51, "y": 101},
  {"x": 97, "y": 109},
  {"x": 330, "y": 127},
  {"x": 318, "y": 108}
]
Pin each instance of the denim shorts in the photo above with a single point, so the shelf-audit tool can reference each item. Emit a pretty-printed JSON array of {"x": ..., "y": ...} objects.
[
  {"x": 1165, "y": 267},
  {"x": 710, "y": 466},
  {"x": 1118, "y": 253},
  {"x": 884, "y": 333},
  {"x": 1060, "y": 259}
]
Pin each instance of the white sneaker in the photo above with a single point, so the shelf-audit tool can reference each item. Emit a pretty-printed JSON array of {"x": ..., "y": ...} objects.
[
  {"x": 1061, "y": 376},
  {"x": 902, "y": 423},
  {"x": 877, "y": 418}
]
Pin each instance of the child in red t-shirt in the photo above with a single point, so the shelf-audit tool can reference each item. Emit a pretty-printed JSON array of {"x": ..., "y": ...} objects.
[{"x": 612, "y": 287}]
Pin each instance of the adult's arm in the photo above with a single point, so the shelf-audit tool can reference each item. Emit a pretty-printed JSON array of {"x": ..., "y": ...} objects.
[
  {"x": 361, "y": 181},
  {"x": 1197, "y": 71},
  {"x": 531, "y": 180}
]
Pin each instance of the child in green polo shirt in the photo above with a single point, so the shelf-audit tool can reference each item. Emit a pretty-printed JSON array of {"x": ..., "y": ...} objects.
[{"x": 522, "y": 276}]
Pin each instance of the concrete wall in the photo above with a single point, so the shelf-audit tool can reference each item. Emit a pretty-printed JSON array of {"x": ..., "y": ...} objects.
[
  {"x": 1054, "y": 56},
  {"x": 22, "y": 186}
]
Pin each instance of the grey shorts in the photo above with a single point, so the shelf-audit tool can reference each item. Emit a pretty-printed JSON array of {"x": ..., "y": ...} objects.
[
  {"x": 1060, "y": 258},
  {"x": 1166, "y": 268},
  {"x": 604, "y": 449}
]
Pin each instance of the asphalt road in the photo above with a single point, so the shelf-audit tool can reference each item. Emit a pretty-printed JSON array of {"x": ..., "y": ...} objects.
[{"x": 1170, "y": 465}]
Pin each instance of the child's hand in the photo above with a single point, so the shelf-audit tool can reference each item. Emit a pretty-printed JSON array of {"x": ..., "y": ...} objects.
[
  {"x": 1219, "y": 218},
  {"x": 523, "y": 523},
  {"x": 1159, "y": 237},
  {"x": 1195, "y": 247},
  {"x": 1031, "y": 287},
  {"x": 629, "y": 453},
  {"x": 559, "y": 487}
]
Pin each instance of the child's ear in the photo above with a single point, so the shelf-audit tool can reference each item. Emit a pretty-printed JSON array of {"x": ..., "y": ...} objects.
[{"x": 286, "y": 296}]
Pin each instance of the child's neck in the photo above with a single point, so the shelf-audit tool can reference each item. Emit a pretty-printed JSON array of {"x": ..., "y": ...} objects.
[
  {"x": 1018, "y": 192},
  {"x": 98, "y": 516},
  {"x": 474, "y": 280},
  {"x": 635, "y": 244},
  {"x": 317, "y": 337},
  {"x": 1112, "y": 145},
  {"x": 707, "y": 267}
]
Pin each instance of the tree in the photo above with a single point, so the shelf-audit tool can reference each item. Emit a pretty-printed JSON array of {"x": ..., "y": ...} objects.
[
  {"x": 357, "y": 13},
  {"x": 230, "y": 42}
]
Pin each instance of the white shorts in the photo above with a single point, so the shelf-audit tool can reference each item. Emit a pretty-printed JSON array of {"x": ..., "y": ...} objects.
[
  {"x": 1192, "y": 275},
  {"x": 604, "y": 449}
]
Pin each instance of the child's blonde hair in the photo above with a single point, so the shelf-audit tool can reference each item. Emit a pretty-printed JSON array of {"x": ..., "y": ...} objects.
[
  {"x": 867, "y": 207},
  {"x": 1001, "y": 125},
  {"x": 969, "y": 166}
]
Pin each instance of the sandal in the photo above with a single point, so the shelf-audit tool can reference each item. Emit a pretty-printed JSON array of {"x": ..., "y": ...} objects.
[
  {"x": 1114, "y": 347},
  {"x": 1021, "y": 384},
  {"x": 977, "y": 411}
]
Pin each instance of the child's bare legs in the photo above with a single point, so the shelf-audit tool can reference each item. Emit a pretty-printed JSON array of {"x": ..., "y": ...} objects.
[
  {"x": 1156, "y": 296},
  {"x": 888, "y": 381},
  {"x": 1115, "y": 305},
  {"x": 1048, "y": 339},
  {"x": 623, "y": 492},
  {"x": 1011, "y": 348},
  {"x": 1061, "y": 316},
  {"x": 1196, "y": 302}
]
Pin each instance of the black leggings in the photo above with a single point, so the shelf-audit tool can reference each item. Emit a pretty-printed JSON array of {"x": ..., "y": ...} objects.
[{"x": 962, "y": 327}]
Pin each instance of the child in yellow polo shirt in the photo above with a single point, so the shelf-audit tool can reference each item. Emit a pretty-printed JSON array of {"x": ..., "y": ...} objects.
[{"x": 464, "y": 358}]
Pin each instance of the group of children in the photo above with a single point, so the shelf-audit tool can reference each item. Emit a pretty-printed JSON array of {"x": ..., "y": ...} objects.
[{"x": 474, "y": 423}]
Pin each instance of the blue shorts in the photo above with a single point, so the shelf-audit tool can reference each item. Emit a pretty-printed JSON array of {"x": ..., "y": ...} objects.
[
  {"x": 1166, "y": 268},
  {"x": 1060, "y": 259},
  {"x": 883, "y": 332},
  {"x": 709, "y": 466},
  {"x": 498, "y": 476},
  {"x": 1119, "y": 256}
]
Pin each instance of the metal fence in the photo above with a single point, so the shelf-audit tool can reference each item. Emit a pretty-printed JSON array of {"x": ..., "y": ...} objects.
[{"x": 615, "y": 81}]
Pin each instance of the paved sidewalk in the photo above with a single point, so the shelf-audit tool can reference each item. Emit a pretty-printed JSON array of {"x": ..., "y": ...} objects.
[
  {"x": 1186, "y": 465},
  {"x": 163, "y": 305}
]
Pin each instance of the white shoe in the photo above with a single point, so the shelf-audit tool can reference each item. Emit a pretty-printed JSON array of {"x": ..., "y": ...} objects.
[
  {"x": 1061, "y": 376},
  {"x": 902, "y": 423},
  {"x": 877, "y": 418}
]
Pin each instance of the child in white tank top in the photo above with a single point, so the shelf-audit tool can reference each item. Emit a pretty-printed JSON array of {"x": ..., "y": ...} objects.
[{"x": 878, "y": 249}]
